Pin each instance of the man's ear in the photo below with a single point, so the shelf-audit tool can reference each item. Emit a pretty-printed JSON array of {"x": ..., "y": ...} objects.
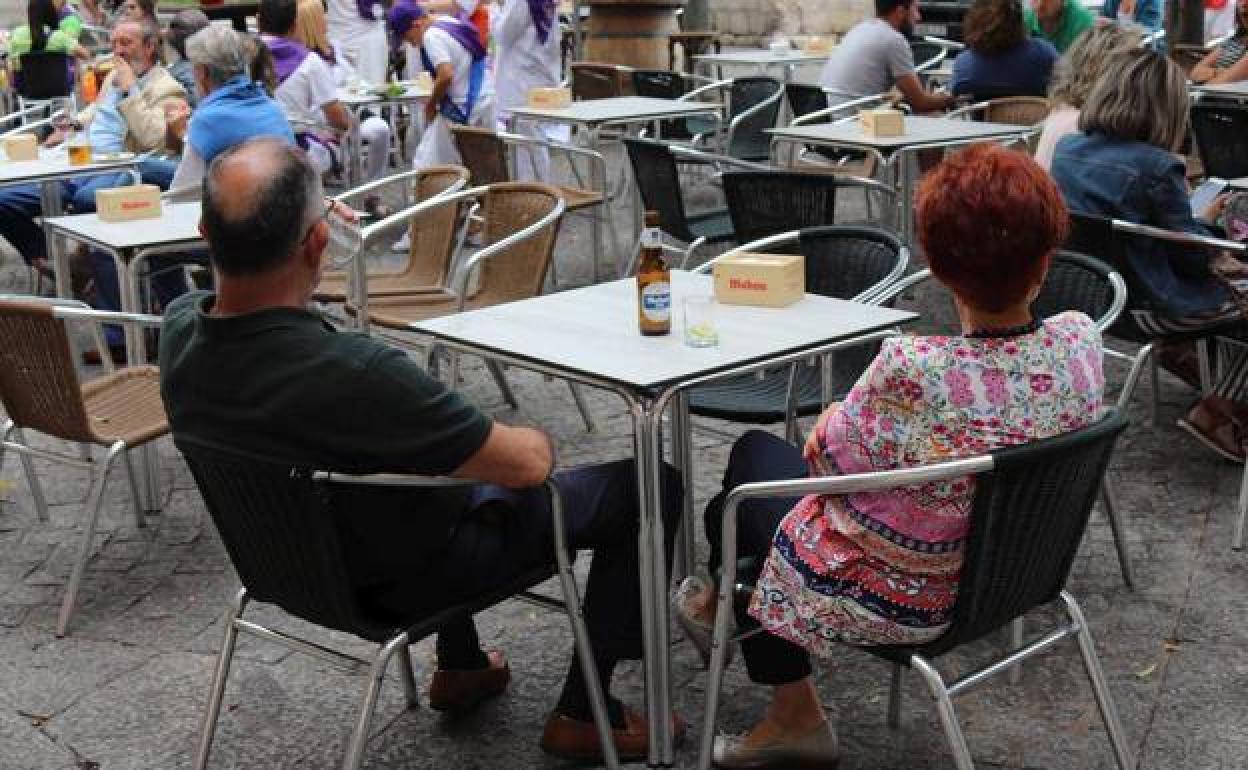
[{"x": 313, "y": 249}]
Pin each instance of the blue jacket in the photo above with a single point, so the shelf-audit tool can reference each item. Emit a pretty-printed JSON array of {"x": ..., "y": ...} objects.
[
  {"x": 235, "y": 112},
  {"x": 1147, "y": 13},
  {"x": 1023, "y": 71},
  {"x": 1140, "y": 183}
]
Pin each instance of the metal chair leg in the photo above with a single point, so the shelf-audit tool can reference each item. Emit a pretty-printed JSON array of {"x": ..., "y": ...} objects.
[
  {"x": 28, "y": 467},
  {"x": 894, "y": 696},
  {"x": 948, "y": 717},
  {"x": 586, "y": 416},
  {"x": 409, "y": 677},
  {"x": 376, "y": 675},
  {"x": 1156, "y": 383},
  {"x": 203, "y": 745},
  {"x": 500, "y": 379},
  {"x": 1100, "y": 688},
  {"x": 1015, "y": 674},
  {"x": 94, "y": 500},
  {"x": 1206, "y": 371},
  {"x": 1109, "y": 497},
  {"x": 135, "y": 502}
]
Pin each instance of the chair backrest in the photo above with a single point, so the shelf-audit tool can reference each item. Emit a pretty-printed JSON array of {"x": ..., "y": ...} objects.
[
  {"x": 1221, "y": 134},
  {"x": 278, "y": 528},
  {"x": 763, "y": 203},
  {"x": 517, "y": 272},
  {"x": 805, "y": 98},
  {"x": 845, "y": 260},
  {"x": 1027, "y": 520},
  {"x": 1076, "y": 282},
  {"x": 484, "y": 153},
  {"x": 926, "y": 54},
  {"x": 591, "y": 80},
  {"x": 747, "y": 138},
  {"x": 1017, "y": 110},
  {"x": 433, "y": 233},
  {"x": 38, "y": 383},
  {"x": 658, "y": 181},
  {"x": 44, "y": 75},
  {"x": 661, "y": 84}
]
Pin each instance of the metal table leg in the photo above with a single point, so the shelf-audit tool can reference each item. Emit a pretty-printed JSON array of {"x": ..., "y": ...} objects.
[
  {"x": 128, "y": 268},
  {"x": 51, "y": 205},
  {"x": 645, "y": 462}
]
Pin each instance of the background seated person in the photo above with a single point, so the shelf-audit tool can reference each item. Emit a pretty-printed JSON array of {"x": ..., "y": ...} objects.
[
  {"x": 252, "y": 367},
  {"x": 882, "y": 568},
  {"x": 1125, "y": 165},
  {"x": 50, "y": 26},
  {"x": 1001, "y": 59},
  {"x": 1076, "y": 73},
  {"x": 182, "y": 26},
  {"x": 1060, "y": 22},
  {"x": 1145, "y": 14},
  {"x": 875, "y": 56},
  {"x": 306, "y": 89},
  {"x": 1227, "y": 63}
]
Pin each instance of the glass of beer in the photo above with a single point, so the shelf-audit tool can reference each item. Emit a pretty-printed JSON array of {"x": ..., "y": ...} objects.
[{"x": 79, "y": 149}]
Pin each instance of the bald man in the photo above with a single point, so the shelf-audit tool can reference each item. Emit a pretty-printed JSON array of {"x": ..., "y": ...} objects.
[{"x": 253, "y": 368}]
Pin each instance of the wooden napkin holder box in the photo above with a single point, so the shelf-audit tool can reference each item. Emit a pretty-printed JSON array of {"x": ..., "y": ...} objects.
[
  {"x": 549, "y": 98},
  {"x": 125, "y": 204},
  {"x": 768, "y": 280},
  {"x": 882, "y": 122},
  {"x": 817, "y": 45},
  {"x": 21, "y": 147}
]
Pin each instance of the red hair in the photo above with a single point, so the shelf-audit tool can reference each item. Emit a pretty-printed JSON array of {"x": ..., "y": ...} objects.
[{"x": 988, "y": 220}]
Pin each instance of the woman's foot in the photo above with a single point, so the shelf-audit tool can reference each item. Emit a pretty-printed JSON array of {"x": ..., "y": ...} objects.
[
  {"x": 577, "y": 739},
  {"x": 458, "y": 691},
  {"x": 694, "y": 605},
  {"x": 769, "y": 745},
  {"x": 1212, "y": 422}
]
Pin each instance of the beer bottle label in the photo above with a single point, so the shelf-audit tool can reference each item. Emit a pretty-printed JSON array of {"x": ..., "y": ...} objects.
[
  {"x": 651, "y": 238},
  {"x": 656, "y": 302}
]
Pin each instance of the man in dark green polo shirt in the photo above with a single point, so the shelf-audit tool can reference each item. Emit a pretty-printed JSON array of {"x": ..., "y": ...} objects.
[
  {"x": 1060, "y": 22},
  {"x": 251, "y": 367}
]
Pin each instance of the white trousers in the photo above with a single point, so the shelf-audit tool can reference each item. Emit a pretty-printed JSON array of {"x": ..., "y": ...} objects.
[
  {"x": 368, "y": 52},
  {"x": 375, "y": 135},
  {"x": 437, "y": 143}
]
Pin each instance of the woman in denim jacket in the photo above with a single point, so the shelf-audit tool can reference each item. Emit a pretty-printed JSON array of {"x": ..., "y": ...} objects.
[{"x": 1123, "y": 165}]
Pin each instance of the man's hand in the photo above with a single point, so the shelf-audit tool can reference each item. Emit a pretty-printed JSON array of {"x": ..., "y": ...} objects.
[
  {"x": 177, "y": 113},
  {"x": 123, "y": 74}
]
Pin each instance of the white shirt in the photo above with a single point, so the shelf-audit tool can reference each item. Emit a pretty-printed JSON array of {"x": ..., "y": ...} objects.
[
  {"x": 307, "y": 91},
  {"x": 442, "y": 48},
  {"x": 345, "y": 20},
  {"x": 523, "y": 61},
  {"x": 341, "y": 68}
]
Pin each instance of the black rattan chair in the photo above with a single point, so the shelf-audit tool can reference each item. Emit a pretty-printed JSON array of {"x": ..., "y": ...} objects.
[
  {"x": 1030, "y": 508},
  {"x": 842, "y": 261},
  {"x": 763, "y": 203},
  {"x": 1221, "y": 135},
  {"x": 927, "y": 54},
  {"x": 277, "y": 524},
  {"x": 664, "y": 84},
  {"x": 753, "y": 106}
]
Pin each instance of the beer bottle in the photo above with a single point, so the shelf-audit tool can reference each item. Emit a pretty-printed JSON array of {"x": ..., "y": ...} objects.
[{"x": 654, "y": 281}]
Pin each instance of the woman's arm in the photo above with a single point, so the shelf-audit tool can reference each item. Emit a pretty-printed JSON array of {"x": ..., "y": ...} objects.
[
  {"x": 1204, "y": 69},
  {"x": 1232, "y": 74}
]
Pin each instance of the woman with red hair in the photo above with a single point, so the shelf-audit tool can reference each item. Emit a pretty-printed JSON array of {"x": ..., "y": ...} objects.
[{"x": 882, "y": 568}]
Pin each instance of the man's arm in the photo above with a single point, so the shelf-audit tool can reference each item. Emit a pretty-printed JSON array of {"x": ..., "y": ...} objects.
[
  {"x": 441, "y": 85},
  {"x": 511, "y": 456},
  {"x": 919, "y": 99},
  {"x": 145, "y": 122}
]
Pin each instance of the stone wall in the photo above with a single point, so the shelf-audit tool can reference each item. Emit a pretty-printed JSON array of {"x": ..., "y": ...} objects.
[{"x": 753, "y": 21}]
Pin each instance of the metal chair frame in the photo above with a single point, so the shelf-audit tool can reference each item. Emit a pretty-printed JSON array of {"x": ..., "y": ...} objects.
[
  {"x": 401, "y": 641},
  {"x": 724, "y": 143},
  {"x": 1075, "y": 626},
  {"x": 13, "y": 438}
]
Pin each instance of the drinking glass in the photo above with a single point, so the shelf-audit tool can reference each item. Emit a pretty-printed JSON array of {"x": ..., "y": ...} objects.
[{"x": 700, "y": 331}]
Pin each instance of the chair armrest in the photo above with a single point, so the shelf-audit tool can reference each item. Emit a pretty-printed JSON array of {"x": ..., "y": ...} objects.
[
  {"x": 894, "y": 290},
  {"x": 948, "y": 45},
  {"x": 463, "y": 272},
  {"x": 26, "y": 127},
  {"x": 965, "y": 112},
  {"x": 761, "y": 243},
  {"x": 702, "y": 156},
  {"x": 688, "y": 96},
  {"x": 346, "y": 195},
  {"x": 391, "y": 479},
  {"x": 1178, "y": 237},
  {"x": 752, "y": 111},
  {"x": 74, "y": 313}
]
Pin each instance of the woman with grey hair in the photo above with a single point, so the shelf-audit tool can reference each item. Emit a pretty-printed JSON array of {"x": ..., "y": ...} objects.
[
  {"x": 185, "y": 24},
  {"x": 1074, "y": 76},
  {"x": 1124, "y": 165}
]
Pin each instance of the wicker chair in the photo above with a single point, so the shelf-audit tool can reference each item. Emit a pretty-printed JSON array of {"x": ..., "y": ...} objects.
[
  {"x": 1221, "y": 135},
  {"x": 277, "y": 525},
  {"x": 486, "y": 154},
  {"x": 1030, "y": 508},
  {"x": 433, "y": 235},
  {"x": 841, "y": 261},
  {"x": 763, "y": 203},
  {"x": 40, "y": 391}
]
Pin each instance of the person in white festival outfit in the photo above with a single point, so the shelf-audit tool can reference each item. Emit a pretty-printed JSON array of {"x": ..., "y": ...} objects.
[
  {"x": 527, "y": 39},
  {"x": 357, "y": 28}
]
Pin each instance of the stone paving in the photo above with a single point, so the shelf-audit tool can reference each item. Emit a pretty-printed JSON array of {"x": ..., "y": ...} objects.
[{"x": 127, "y": 687}]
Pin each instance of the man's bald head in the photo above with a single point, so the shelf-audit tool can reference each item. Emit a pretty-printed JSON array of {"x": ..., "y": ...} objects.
[{"x": 259, "y": 199}]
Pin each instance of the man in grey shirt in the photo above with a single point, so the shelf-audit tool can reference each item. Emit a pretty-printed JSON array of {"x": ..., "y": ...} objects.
[{"x": 874, "y": 56}]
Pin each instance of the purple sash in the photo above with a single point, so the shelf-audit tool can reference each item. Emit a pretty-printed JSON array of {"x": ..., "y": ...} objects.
[
  {"x": 465, "y": 34},
  {"x": 287, "y": 55},
  {"x": 543, "y": 13}
]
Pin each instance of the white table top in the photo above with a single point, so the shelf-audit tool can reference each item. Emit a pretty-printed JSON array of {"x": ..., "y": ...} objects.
[
  {"x": 761, "y": 57},
  {"x": 593, "y": 331},
  {"x": 53, "y": 164},
  {"x": 355, "y": 99},
  {"x": 618, "y": 109},
  {"x": 1239, "y": 88},
  {"x": 178, "y": 223},
  {"x": 919, "y": 130}
]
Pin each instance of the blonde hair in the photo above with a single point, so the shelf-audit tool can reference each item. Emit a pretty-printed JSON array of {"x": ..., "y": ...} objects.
[
  {"x": 309, "y": 27},
  {"x": 1083, "y": 65},
  {"x": 1142, "y": 98}
]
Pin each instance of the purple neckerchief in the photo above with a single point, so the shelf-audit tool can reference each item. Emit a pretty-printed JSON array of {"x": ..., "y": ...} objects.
[
  {"x": 543, "y": 13},
  {"x": 365, "y": 7},
  {"x": 465, "y": 34},
  {"x": 287, "y": 55}
]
